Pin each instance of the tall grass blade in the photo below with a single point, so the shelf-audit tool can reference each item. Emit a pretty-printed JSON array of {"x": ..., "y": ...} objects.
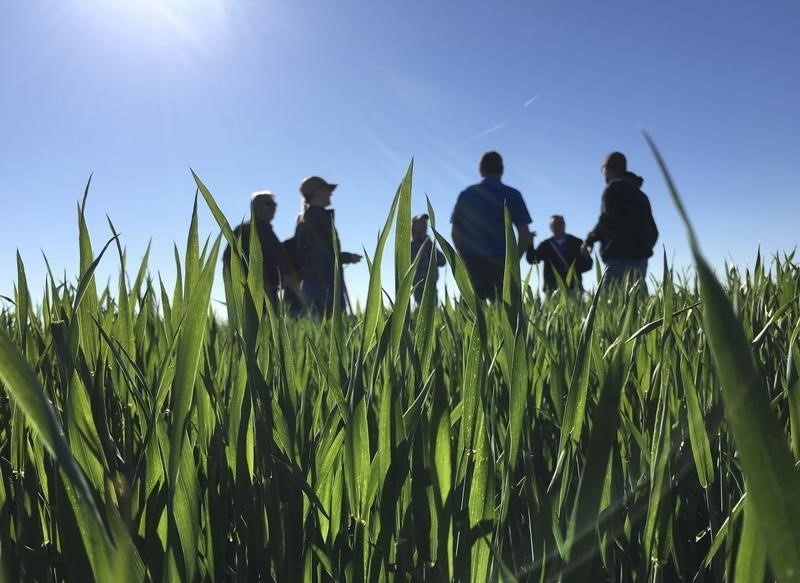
[
  {"x": 21, "y": 384},
  {"x": 751, "y": 554},
  {"x": 701, "y": 448},
  {"x": 773, "y": 483},
  {"x": 582, "y": 537},
  {"x": 402, "y": 233},
  {"x": 374, "y": 294},
  {"x": 22, "y": 301}
]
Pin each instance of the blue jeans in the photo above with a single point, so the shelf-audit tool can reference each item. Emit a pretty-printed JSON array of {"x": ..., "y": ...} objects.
[
  {"x": 635, "y": 268},
  {"x": 319, "y": 295}
]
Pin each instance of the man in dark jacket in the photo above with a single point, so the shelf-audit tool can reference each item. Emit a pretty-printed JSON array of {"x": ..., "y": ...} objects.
[
  {"x": 561, "y": 254},
  {"x": 626, "y": 230},
  {"x": 277, "y": 269},
  {"x": 315, "y": 251}
]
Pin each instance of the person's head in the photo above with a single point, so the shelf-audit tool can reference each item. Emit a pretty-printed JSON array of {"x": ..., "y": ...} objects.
[
  {"x": 316, "y": 191},
  {"x": 558, "y": 226},
  {"x": 614, "y": 166},
  {"x": 419, "y": 227},
  {"x": 491, "y": 164},
  {"x": 263, "y": 205}
]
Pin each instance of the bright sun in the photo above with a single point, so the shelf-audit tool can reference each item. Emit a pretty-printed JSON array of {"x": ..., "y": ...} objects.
[{"x": 186, "y": 19}]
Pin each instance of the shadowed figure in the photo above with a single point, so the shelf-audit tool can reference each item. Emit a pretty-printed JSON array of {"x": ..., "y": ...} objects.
[
  {"x": 278, "y": 271},
  {"x": 479, "y": 226},
  {"x": 626, "y": 230},
  {"x": 559, "y": 254},
  {"x": 421, "y": 245},
  {"x": 315, "y": 252}
]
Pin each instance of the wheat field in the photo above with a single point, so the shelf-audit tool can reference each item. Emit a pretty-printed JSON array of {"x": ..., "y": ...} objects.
[{"x": 618, "y": 436}]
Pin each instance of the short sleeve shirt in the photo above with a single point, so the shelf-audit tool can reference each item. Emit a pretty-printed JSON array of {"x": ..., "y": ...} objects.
[{"x": 479, "y": 215}]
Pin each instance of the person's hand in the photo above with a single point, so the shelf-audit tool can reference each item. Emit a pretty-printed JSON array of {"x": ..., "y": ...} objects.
[
  {"x": 350, "y": 257},
  {"x": 530, "y": 254}
]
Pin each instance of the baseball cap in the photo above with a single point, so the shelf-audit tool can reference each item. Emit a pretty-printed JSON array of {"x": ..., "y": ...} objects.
[{"x": 314, "y": 183}]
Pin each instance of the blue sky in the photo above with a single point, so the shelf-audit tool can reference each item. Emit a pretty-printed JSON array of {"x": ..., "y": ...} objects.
[{"x": 259, "y": 94}]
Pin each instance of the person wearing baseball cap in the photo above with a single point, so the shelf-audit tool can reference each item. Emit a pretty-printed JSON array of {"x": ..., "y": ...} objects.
[
  {"x": 312, "y": 184},
  {"x": 626, "y": 229},
  {"x": 422, "y": 245},
  {"x": 315, "y": 250}
]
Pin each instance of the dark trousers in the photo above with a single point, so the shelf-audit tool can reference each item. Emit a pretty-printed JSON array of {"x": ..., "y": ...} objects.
[
  {"x": 486, "y": 273},
  {"x": 617, "y": 269},
  {"x": 319, "y": 295}
]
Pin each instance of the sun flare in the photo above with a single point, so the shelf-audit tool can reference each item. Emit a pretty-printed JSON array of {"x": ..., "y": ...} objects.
[{"x": 186, "y": 20}]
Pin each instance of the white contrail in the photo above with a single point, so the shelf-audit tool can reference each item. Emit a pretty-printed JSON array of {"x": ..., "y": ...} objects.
[
  {"x": 487, "y": 132},
  {"x": 531, "y": 100}
]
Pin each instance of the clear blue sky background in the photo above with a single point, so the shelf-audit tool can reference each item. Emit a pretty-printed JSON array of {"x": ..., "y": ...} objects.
[{"x": 259, "y": 94}]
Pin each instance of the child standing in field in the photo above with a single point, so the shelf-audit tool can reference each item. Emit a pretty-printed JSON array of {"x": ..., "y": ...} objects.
[
  {"x": 422, "y": 245},
  {"x": 315, "y": 251}
]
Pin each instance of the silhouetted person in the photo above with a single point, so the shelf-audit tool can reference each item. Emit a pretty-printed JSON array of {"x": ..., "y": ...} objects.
[
  {"x": 315, "y": 251},
  {"x": 422, "y": 245},
  {"x": 479, "y": 226},
  {"x": 559, "y": 253},
  {"x": 278, "y": 271},
  {"x": 626, "y": 230},
  {"x": 292, "y": 298}
]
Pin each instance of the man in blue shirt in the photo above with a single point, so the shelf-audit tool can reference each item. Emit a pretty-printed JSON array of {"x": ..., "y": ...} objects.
[{"x": 479, "y": 226}]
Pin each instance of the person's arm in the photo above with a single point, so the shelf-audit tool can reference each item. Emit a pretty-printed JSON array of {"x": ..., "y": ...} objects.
[
  {"x": 604, "y": 227},
  {"x": 287, "y": 265},
  {"x": 457, "y": 236},
  {"x": 289, "y": 277},
  {"x": 534, "y": 254},
  {"x": 456, "y": 219},
  {"x": 521, "y": 218},
  {"x": 652, "y": 229},
  {"x": 346, "y": 257},
  {"x": 440, "y": 259},
  {"x": 583, "y": 261},
  {"x": 586, "y": 248},
  {"x": 524, "y": 238}
]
